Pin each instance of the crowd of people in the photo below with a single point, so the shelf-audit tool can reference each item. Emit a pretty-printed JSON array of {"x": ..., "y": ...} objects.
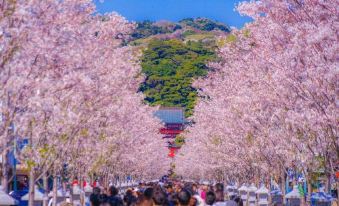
[{"x": 164, "y": 194}]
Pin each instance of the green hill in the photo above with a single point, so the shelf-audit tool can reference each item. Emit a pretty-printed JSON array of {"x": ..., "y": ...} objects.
[
  {"x": 148, "y": 28},
  {"x": 173, "y": 56},
  {"x": 182, "y": 29},
  {"x": 204, "y": 24}
]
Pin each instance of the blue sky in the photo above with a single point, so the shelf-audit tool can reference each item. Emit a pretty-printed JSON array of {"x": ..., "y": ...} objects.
[{"x": 174, "y": 10}]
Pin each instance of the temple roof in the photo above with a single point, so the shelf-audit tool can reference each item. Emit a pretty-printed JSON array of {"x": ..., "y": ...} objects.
[{"x": 171, "y": 115}]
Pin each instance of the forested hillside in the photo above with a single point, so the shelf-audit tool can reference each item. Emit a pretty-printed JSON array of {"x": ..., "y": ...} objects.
[
  {"x": 174, "y": 54},
  {"x": 170, "y": 66},
  {"x": 148, "y": 28}
]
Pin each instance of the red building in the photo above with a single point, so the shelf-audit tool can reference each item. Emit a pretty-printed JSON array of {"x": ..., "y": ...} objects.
[{"x": 174, "y": 122}]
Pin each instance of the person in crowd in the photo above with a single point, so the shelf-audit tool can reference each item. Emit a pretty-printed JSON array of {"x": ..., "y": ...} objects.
[
  {"x": 103, "y": 199},
  {"x": 171, "y": 195},
  {"x": 195, "y": 195},
  {"x": 169, "y": 189},
  {"x": 193, "y": 201},
  {"x": 219, "y": 187},
  {"x": 66, "y": 204},
  {"x": 129, "y": 198},
  {"x": 190, "y": 189},
  {"x": 113, "y": 198},
  {"x": 219, "y": 194},
  {"x": 96, "y": 190},
  {"x": 177, "y": 187},
  {"x": 94, "y": 197},
  {"x": 203, "y": 192},
  {"x": 159, "y": 197},
  {"x": 145, "y": 199},
  {"x": 184, "y": 197},
  {"x": 210, "y": 198},
  {"x": 238, "y": 201},
  {"x": 195, "y": 189}
]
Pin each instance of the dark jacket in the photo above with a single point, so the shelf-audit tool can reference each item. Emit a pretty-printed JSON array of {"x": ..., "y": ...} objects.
[{"x": 115, "y": 201}]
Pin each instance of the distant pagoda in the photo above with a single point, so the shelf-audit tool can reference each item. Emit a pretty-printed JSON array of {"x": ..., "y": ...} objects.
[{"x": 174, "y": 123}]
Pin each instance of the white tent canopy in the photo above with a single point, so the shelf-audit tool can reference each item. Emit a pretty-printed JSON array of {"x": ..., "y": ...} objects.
[
  {"x": 5, "y": 199},
  {"x": 37, "y": 195}
]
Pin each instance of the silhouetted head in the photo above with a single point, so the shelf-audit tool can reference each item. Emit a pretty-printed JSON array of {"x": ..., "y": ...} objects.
[
  {"x": 96, "y": 190},
  {"x": 94, "y": 199},
  {"x": 184, "y": 197},
  {"x": 219, "y": 187},
  {"x": 238, "y": 200},
  {"x": 113, "y": 191},
  {"x": 148, "y": 193},
  {"x": 159, "y": 197},
  {"x": 210, "y": 198}
]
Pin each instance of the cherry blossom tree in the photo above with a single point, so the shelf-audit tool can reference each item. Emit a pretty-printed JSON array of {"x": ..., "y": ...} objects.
[
  {"x": 71, "y": 88},
  {"x": 272, "y": 102}
]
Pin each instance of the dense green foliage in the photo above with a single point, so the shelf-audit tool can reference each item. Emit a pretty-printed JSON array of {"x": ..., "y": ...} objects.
[
  {"x": 204, "y": 24},
  {"x": 148, "y": 28},
  {"x": 188, "y": 33},
  {"x": 170, "y": 67}
]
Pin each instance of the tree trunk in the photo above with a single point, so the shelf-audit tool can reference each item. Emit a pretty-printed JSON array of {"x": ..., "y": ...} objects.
[
  {"x": 45, "y": 184},
  {"x": 31, "y": 187},
  {"x": 328, "y": 183},
  {"x": 55, "y": 189},
  {"x": 283, "y": 185},
  {"x": 4, "y": 179},
  {"x": 106, "y": 181},
  {"x": 309, "y": 190},
  {"x": 81, "y": 181}
]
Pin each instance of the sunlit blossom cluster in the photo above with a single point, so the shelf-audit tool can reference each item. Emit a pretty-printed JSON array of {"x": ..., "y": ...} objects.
[
  {"x": 272, "y": 103},
  {"x": 70, "y": 88}
]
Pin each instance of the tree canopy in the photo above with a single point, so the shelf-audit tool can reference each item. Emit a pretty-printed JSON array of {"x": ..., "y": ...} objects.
[
  {"x": 148, "y": 28},
  {"x": 170, "y": 67},
  {"x": 204, "y": 24}
]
